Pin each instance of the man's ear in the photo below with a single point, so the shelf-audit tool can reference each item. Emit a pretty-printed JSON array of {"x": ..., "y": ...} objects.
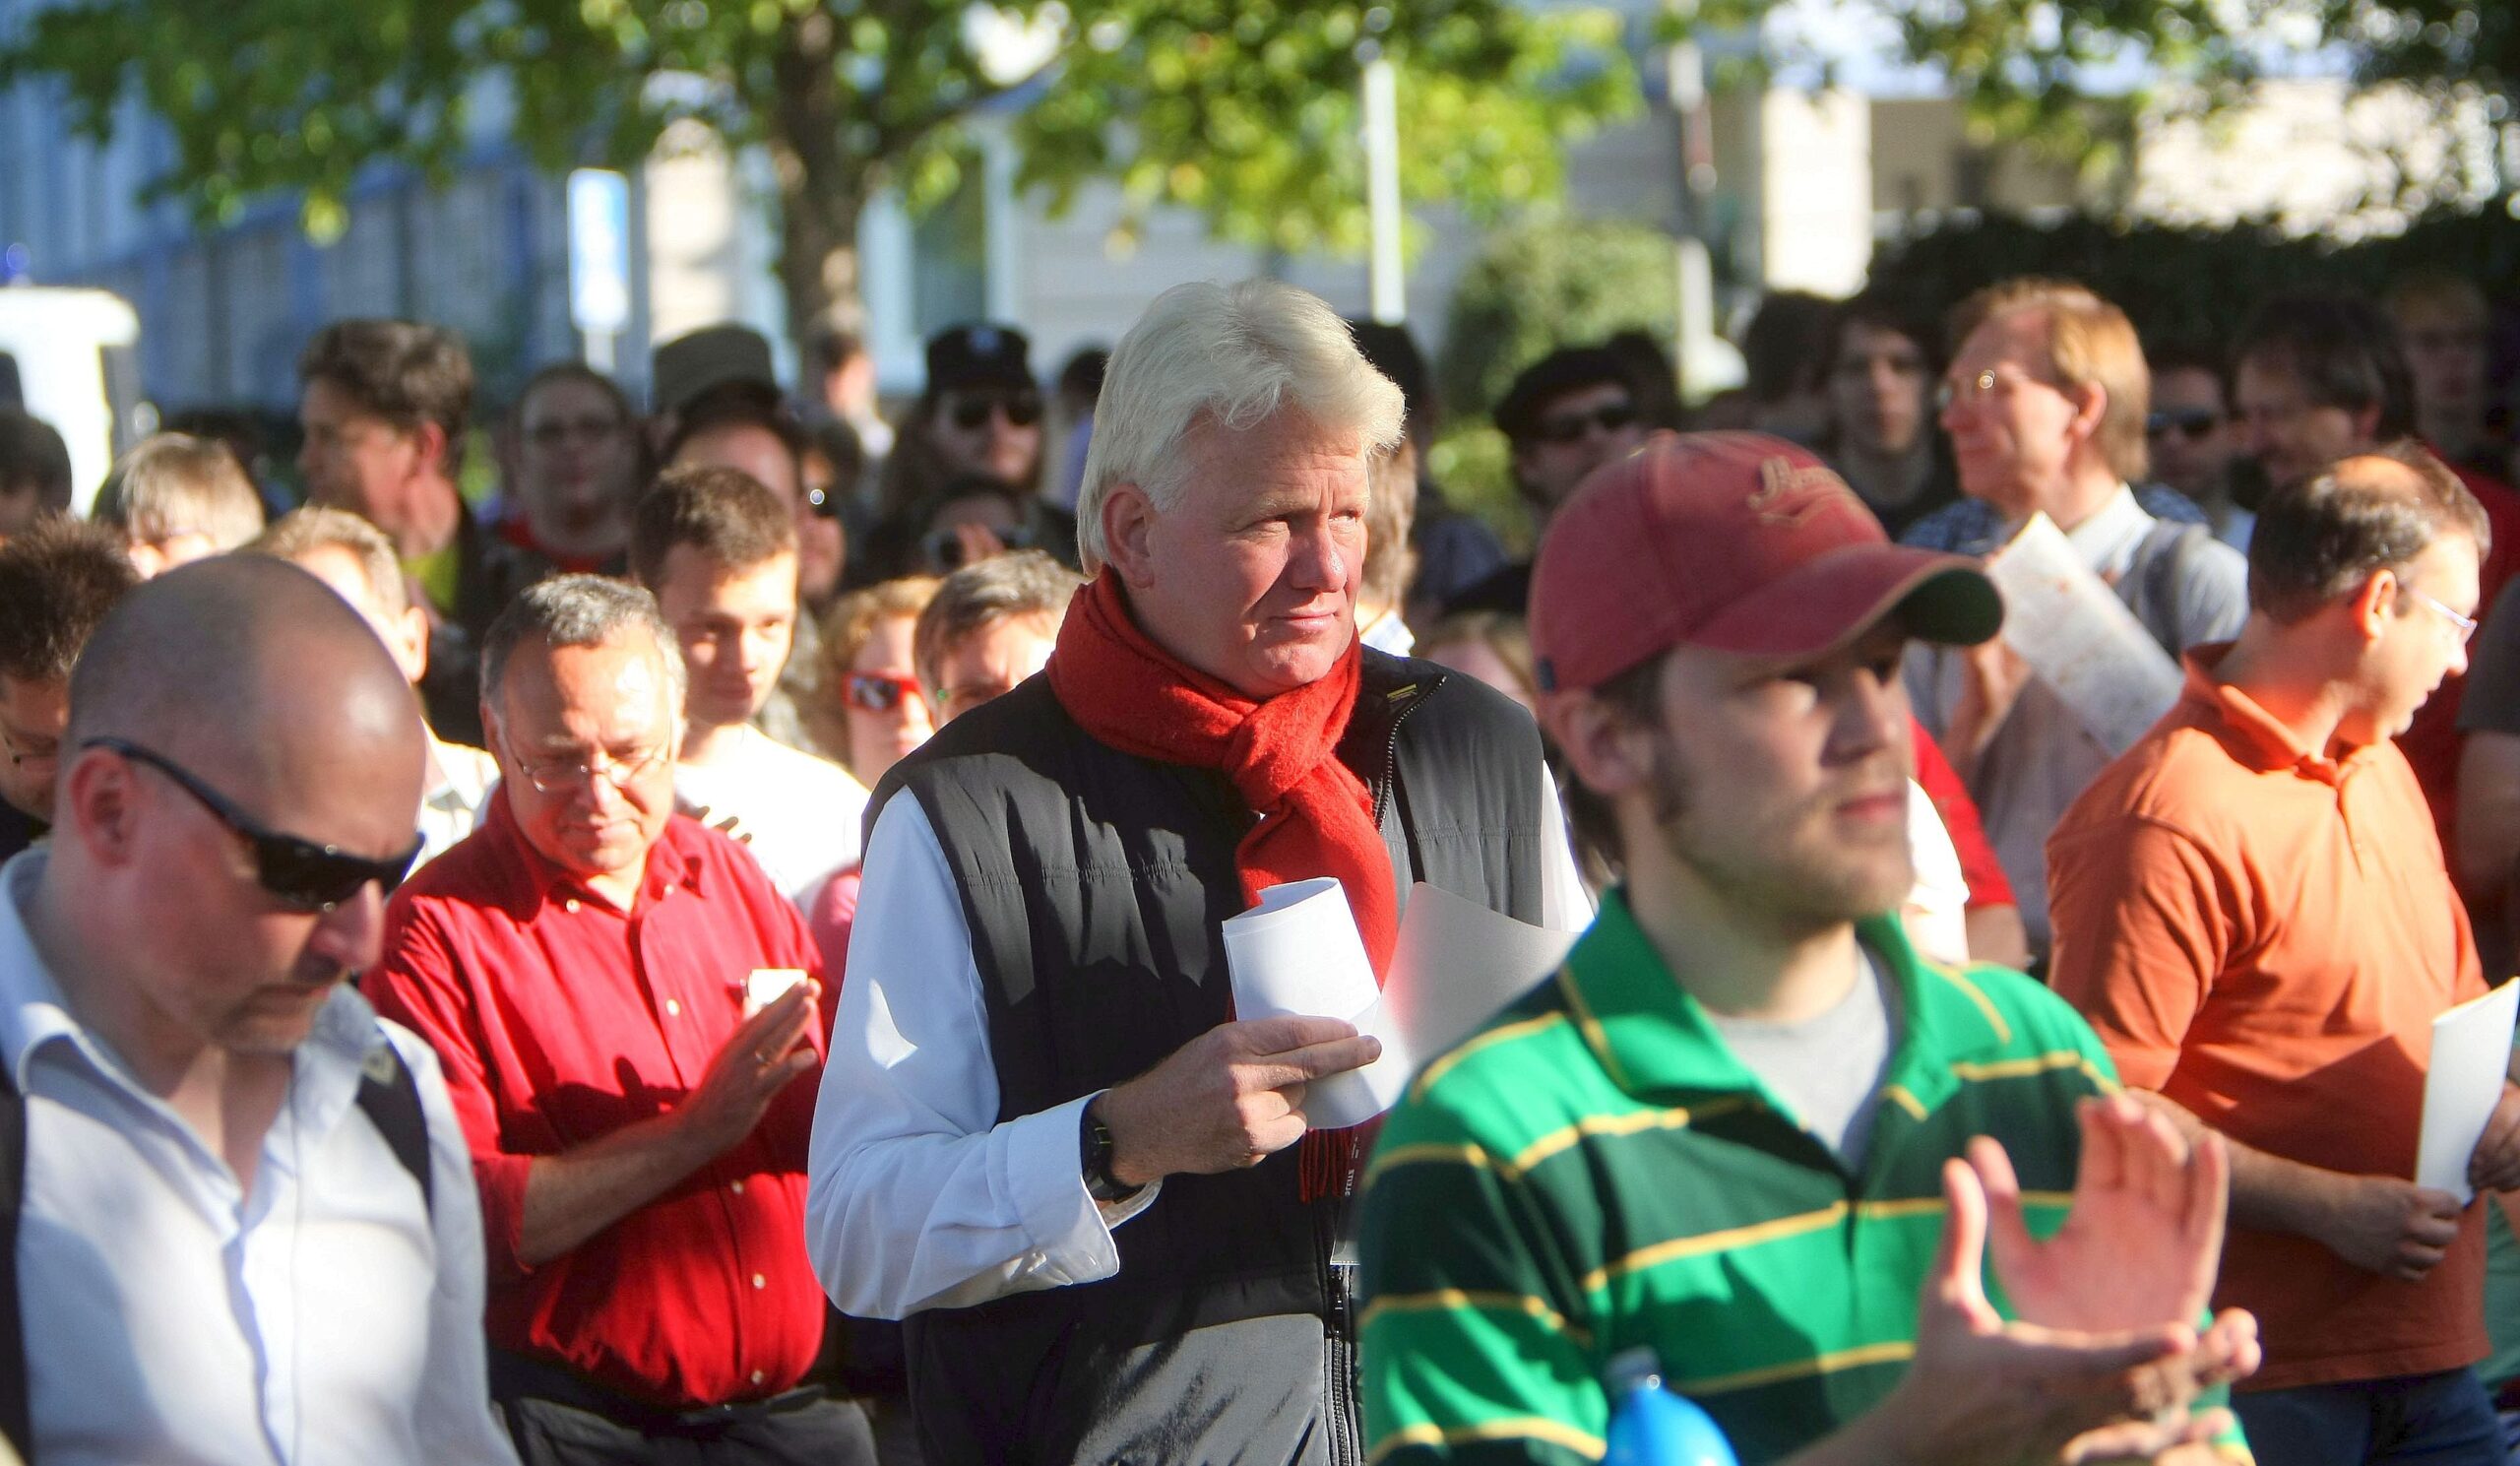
[
  {"x": 2091, "y": 405},
  {"x": 428, "y": 447},
  {"x": 1602, "y": 745},
  {"x": 411, "y": 644},
  {"x": 2375, "y": 605},
  {"x": 96, "y": 805},
  {"x": 1128, "y": 528}
]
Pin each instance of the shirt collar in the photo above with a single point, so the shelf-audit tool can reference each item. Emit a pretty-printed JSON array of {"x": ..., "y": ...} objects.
[
  {"x": 1654, "y": 1040},
  {"x": 460, "y": 778},
  {"x": 534, "y": 880},
  {"x": 2107, "y": 540},
  {"x": 2264, "y": 741}
]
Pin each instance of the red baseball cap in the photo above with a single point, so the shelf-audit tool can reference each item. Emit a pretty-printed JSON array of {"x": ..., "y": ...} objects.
[{"x": 1735, "y": 541}]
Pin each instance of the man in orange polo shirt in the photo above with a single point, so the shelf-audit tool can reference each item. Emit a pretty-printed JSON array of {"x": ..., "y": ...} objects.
[{"x": 2252, "y": 910}]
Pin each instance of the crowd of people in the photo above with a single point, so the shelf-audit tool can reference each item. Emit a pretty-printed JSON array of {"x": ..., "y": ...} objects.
[{"x": 716, "y": 952}]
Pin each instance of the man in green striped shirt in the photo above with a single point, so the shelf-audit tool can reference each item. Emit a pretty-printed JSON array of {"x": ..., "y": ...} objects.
[{"x": 1740, "y": 1126}]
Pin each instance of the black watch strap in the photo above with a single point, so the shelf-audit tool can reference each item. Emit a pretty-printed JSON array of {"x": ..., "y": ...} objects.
[{"x": 1093, "y": 1156}]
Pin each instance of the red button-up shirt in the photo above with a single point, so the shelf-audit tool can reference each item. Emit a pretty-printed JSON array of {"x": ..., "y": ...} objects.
[{"x": 560, "y": 1020}]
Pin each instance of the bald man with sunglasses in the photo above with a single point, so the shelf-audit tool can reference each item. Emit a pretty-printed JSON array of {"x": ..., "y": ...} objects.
[{"x": 245, "y": 1221}]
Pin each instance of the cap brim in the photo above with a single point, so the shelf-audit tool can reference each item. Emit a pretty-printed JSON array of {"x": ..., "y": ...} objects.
[{"x": 1841, "y": 595}]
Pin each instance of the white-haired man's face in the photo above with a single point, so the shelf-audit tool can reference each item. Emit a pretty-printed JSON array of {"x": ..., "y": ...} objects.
[{"x": 1250, "y": 576}]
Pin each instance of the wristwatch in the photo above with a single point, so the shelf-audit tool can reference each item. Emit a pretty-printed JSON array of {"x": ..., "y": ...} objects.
[{"x": 1093, "y": 1156}]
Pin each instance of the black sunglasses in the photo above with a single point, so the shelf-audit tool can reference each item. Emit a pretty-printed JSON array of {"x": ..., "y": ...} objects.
[
  {"x": 2191, "y": 423},
  {"x": 1022, "y": 409},
  {"x": 944, "y": 547},
  {"x": 1568, "y": 428},
  {"x": 310, "y": 876}
]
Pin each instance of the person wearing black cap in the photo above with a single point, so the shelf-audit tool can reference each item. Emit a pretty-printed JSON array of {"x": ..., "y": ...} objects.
[
  {"x": 1569, "y": 413},
  {"x": 981, "y": 413}
]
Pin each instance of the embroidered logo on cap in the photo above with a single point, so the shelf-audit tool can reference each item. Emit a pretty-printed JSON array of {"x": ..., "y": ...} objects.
[{"x": 1791, "y": 495}]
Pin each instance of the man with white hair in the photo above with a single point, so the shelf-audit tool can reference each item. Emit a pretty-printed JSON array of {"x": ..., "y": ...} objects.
[{"x": 1043, "y": 1138}]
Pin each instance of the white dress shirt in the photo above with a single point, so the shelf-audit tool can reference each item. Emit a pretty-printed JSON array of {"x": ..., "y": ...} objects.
[
  {"x": 920, "y": 1199},
  {"x": 319, "y": 1318}
]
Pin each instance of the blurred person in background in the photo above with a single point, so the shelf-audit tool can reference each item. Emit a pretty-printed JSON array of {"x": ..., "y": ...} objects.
[
  {"x": 1450, "y": 550},
  {"x": 385, "y": 405},
  {"x": 1080, "y": 385},
  {"x": 1782, "y": 348},
  {"x": 354, "y": 558},
  {"x": 980, "y": 415},
  {"x": 2192, "y": 437},
  {"x": 2445, "y": 325},
  {"x": 972, "y": 518},
  {"x": 178, "y": 499},
  {"x": 719, "y": 552},
  {"x": 1488, "y": 645},
  {"x": 1878, "y": 375},
  {"x": 581, "y": 456},
  {"x": 2321, "y": 377},
  {"x": 58, "y": 579},
  {"x": 845, "y": 392},
  {"x": 872, "y": 708},
  {"x": 829, "y": 520},
  {"x": 1391, "y": 504},
  {"x": 34, "y": 470},
  {"x": 1566, "y": 415}
]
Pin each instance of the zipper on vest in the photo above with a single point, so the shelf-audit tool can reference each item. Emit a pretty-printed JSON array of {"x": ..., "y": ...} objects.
[{"x": 1390, "y": 752}]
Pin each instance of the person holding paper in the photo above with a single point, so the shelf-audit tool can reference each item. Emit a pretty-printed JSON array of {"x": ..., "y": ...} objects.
[
  {"x": 2252, "y": 910},
  {"x": 1044, "y": 1138},
  {"x": 1730, "y": 1126},
  {"x": 2045, "y": 401},
  {"x": 583, "y": 965}
]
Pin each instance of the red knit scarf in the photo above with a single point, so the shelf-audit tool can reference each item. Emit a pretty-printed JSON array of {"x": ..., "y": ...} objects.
[{"x": 1317, "y": 815}]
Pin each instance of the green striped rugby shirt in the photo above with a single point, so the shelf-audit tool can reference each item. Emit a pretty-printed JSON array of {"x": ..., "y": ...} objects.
[{"x": 1595, "y": 1171}]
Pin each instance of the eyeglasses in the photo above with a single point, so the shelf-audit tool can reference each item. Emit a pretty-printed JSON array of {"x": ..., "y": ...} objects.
[
  {"x": 299, "y": 872},
  {"x": 2191, "y": 423},
  {"x": 878, "y": 691},
  {"x": 1570, "y": 428},
  {"x": 31, "y": 750},
  {"x": 971, "y": 413},
  {"x": 558, "y": 776},
  {"x": 2466, "y": 626}
]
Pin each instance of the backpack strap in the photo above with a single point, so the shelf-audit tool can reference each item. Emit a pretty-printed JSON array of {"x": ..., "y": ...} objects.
[
  {"x": 17, "y": 1420},
  {"x": 390, "y": 1098}
]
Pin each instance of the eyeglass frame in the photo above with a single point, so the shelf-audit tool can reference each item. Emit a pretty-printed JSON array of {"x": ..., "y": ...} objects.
[
  {"x": 974, "y": 406},
  {"x": 903, "y": 687},
  {"x": 2191, "y": 423},
  {"x": 620, "y": 773},
  {"x": 271, "y": 847},
  {"x": 2466, "y": 626}
]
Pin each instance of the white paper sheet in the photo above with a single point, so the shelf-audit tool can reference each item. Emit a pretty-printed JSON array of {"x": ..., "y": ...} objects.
[
  {"x": 1456, "y": 963},
  {"x": 2471, "y": 1052},
  {"x": 1297, "y": 954},
  {"x": 2080, "y": 639}
]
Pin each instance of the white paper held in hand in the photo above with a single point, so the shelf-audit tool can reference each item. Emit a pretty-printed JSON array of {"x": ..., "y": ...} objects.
[
  {"x": 1455, "y": 964},
  {"x": 2079, "y": 639},
  {"x": 1297, "y": 954},
  {"x": 767, "y": 985},
  {"x": 2471, "y": 1053}
]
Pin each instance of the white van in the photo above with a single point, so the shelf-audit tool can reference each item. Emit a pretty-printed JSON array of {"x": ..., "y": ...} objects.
[{"x": 71, "y": 357}]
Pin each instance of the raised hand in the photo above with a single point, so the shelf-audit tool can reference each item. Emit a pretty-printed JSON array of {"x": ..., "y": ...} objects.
[
  {"x": 763, "y": 1055},
  {"x": 2144, "y": 1236}
]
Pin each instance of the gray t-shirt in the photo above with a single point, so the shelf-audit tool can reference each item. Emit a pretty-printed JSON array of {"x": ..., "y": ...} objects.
[{"x": 1828, "y": 1067}]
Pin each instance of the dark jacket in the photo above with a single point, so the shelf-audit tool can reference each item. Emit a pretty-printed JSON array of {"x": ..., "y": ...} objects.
[{"x": 1094, "y": 884}]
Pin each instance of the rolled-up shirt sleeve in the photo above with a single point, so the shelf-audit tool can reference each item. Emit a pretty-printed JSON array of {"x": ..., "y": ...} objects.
[{"x": 920, "y": 1197}]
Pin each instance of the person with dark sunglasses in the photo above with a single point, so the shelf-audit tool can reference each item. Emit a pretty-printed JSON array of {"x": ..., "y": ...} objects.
[
  {"x": 2193, "y": 441},
  {"x": 236, "y": 1172},
  {"x": 1565, "y": 415}
]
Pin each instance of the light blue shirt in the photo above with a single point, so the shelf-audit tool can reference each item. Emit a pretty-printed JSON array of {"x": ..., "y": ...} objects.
[{"x": 323, "y": 1315}]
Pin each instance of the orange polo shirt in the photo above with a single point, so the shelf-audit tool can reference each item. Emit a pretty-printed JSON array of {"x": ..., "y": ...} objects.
[{"x": 2265, "y": 935}]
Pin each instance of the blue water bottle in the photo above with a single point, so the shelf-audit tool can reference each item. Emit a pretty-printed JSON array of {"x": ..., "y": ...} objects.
[{"x": 1652, "y": 1426}]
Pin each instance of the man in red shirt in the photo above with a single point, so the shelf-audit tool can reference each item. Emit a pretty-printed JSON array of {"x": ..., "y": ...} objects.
[{"x": 586, "y": 966}]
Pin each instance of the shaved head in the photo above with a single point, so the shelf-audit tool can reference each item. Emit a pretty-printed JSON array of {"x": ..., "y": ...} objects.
[{"x": 245, "y": 664}]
